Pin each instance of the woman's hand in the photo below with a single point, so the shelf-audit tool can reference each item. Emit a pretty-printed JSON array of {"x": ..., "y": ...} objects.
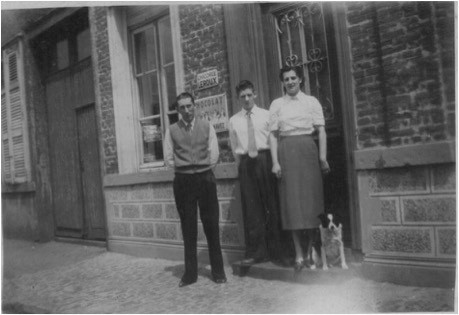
[
  {"x": 277, "y": 170},
  {"x": 324, "y": 166}
]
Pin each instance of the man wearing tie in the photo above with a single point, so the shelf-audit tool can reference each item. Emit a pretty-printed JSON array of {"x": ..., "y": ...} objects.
[
  {"x": 249, "y": 137},
  {"x": 191, "y": 148}
]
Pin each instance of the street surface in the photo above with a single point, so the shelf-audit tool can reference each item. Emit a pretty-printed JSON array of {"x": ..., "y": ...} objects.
[{"x": 59, "y": 277}]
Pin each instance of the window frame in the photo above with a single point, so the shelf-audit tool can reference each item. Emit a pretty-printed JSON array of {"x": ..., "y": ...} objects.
[{"x": 164, "y": 105}]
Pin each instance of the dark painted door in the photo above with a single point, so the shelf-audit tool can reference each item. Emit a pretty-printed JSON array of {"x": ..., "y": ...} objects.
[{"x": 303, "y": 33}]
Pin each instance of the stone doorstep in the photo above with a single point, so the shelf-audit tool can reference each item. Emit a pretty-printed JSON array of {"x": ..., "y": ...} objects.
[
  {"x": 20, "y": 308},
  {"x": 273, "y": 271}
]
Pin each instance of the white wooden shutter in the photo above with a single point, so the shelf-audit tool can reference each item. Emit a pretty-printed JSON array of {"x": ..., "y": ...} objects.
[{"x": 15, "y": 159}]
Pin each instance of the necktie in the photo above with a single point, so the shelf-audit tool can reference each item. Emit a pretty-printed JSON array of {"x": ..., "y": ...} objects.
[
  {"x": 252, "y": 146},
  {"x": 188, "y": 128}
]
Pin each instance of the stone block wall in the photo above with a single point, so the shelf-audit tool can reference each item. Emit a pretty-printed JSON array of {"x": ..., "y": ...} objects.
[
  {"x": 403, "y": 71},
  {"x": 148, "y": 213},
  {"x": 413, "y": 212}
]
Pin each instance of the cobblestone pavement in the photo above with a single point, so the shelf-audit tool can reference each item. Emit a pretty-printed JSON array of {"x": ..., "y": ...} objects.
[{"x": 67, "y": 278}]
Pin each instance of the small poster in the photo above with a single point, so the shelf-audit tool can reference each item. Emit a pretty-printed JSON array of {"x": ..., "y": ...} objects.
[
  {"x": 207, "y": 79},
  {"x": 151, "y": 133},
  {"x": 213, "y": 109}
]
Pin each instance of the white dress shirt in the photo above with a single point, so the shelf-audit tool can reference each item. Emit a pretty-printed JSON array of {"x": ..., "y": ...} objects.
[
  {"x": 238, "y": 131},
  {"x": 295, "y": 115},
  {"x": 213, "y": 146}
]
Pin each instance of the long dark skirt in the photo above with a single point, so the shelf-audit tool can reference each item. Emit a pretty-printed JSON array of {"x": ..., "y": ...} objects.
[{"x": 300, "y": 188}]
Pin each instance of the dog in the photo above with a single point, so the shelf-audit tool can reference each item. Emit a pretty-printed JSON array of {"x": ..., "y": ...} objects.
[{"x": 331, "y": 242}]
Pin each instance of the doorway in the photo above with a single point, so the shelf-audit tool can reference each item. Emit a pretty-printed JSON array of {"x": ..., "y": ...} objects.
[
  {"x": 64, "y": 52},
  {"x": 303, "y": 34}
]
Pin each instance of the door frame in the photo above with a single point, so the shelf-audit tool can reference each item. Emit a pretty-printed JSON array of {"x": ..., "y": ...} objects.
[
  {"x": 272, "y": 57},
  {"x": 40, "y": 28}
]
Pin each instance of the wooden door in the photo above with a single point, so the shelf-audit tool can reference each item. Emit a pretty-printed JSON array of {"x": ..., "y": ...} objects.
[
  {"x": 64, "y": 157},
  {"x": 303, "y": 34},
  {"x": 75, "y": 165},
  {"x": 90, "y": 173}
]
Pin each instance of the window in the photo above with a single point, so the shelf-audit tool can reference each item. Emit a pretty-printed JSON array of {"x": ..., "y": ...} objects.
[
  {"x": 15, "y": 161},
  {"x": 65, "y": 44},
  {"x": 154, "y": 72}
]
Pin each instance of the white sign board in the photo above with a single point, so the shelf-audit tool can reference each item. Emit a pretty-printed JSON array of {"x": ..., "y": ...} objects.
[
  {"x": 207, "y": 79},
  {"x": 215, "y": 110}
]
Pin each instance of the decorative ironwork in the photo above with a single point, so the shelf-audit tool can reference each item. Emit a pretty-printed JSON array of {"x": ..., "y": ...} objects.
[
  {"x": 301, "y": 32},
  {"x": 311, "y": 8},
  {"x": 292, "y": 61},
  {"x": 315, "y": 59},
  {"x": 296, "y": 16}
]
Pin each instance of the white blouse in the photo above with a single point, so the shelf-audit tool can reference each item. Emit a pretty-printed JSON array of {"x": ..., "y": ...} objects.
[{"x": 295, "y": 115}]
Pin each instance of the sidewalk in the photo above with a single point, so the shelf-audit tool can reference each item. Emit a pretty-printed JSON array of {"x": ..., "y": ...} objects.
[{"x": 60, "y": 277}]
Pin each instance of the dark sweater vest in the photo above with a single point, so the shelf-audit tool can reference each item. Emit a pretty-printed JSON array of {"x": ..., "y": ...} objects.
[{"x": 191, "y": 149}]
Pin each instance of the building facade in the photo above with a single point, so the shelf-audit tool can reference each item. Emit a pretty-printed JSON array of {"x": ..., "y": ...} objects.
[{"x": 87, "y": 94}]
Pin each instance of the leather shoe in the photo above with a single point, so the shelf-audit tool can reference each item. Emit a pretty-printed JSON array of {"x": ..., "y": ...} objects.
[
  {"x": 220, "y": 280},
  {"x": 184, "y": 283},
  {"x": 298, "y": 266}
]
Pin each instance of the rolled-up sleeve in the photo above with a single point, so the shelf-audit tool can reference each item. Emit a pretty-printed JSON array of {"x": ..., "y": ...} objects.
[
  {"x": 232, "y": 137},
  {"x": 317, "y": 114},
  {"x": 168, "y": 150},
  {"x": 274, "y": 116},
  {"x": 213, "y": 146}
]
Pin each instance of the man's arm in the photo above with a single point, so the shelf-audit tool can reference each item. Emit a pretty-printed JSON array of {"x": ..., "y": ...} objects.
[
  {"x": 233, "y": 142},
  {"x": 168, "y": 150},
  {"x": 213, "y": 146}
]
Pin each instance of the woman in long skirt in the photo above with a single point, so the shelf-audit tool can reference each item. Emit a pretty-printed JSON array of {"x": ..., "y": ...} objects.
[{"x": 297, "y": 162}]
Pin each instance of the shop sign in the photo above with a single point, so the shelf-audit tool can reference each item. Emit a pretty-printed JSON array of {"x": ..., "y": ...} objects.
[
  {"x": 207, "y": 79},
  {"x": 214, "y": 109}
]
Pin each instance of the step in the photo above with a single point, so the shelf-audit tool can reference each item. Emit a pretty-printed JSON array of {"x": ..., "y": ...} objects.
[{"x": 273, "y": 271}]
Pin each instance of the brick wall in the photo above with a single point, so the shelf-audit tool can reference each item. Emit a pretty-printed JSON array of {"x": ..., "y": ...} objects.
[
  {"x": 104, "y": 95},
  {"x": 204, "y": 48},
  {"x": 416, "y": 216},
  {"x": 402, "y": 54},
  {"x": 148, "y": 213}
]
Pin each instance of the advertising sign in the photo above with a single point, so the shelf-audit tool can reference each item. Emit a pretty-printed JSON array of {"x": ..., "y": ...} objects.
[
  {"x": 207, "y": 79},
  {"x": 215, "y": 110}
]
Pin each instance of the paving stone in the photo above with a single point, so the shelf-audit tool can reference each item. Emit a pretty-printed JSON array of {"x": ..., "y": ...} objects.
[{"x": 107, "y": 282}]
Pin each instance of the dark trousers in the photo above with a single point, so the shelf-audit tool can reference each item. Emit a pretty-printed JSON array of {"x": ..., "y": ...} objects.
[
  {"x": 191, "y": 190},
  {"x": 260, "y": 207}
]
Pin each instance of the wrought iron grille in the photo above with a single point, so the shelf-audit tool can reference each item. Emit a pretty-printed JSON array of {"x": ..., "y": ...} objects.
[{"x": 303, "y": 42}]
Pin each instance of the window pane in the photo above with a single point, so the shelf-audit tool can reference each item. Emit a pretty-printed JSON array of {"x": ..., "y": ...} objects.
[
  {"x": 152, "y": 140},
  {"x": 62, "y": 54},
  {"x": 165, "y": 39},
  {"x": 173, "y": 118},
  {"x": 149, "y": 95},
  {"x": 145, "y": 50},
  {"x": 84, "y": 44},
  {"x": 171, "y": 89}
]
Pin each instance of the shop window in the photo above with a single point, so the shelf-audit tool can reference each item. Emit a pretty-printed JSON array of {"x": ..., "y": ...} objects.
[
  {"x": 154, "y": 72},
  {"x": 15, "y": 160}
]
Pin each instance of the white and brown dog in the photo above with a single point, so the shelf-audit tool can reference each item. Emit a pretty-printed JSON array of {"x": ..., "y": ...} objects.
[{"x": 332, "y": 247}]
